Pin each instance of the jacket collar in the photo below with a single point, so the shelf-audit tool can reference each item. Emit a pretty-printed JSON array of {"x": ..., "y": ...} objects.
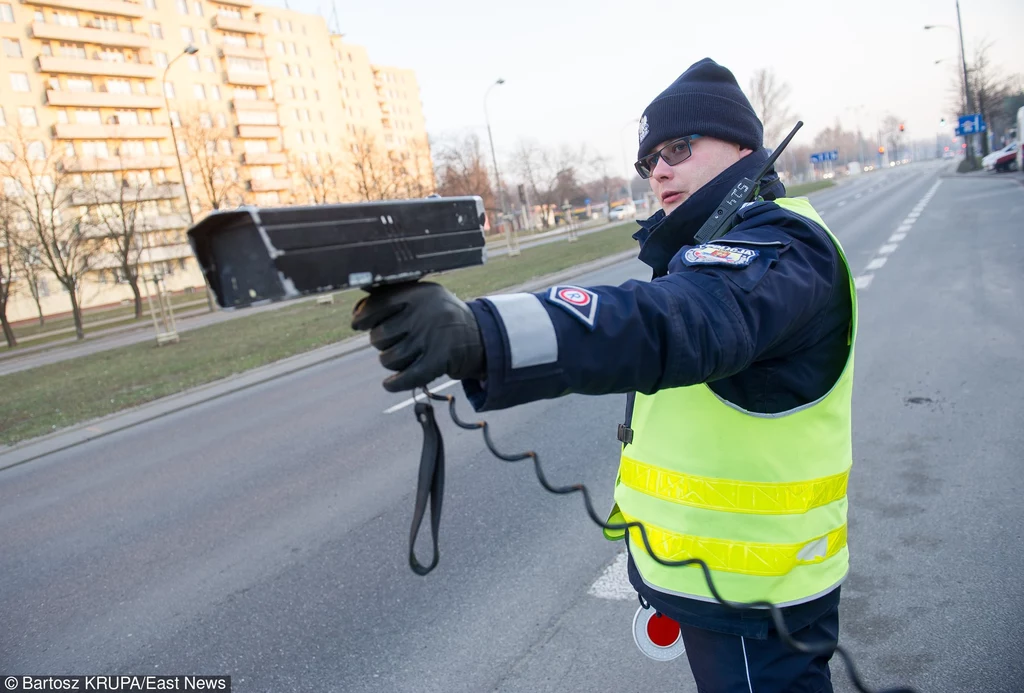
[{"x": 662, "y": 236}]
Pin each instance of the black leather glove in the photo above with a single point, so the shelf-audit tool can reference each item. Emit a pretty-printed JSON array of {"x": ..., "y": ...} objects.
[{"x": 422, "y": 331}]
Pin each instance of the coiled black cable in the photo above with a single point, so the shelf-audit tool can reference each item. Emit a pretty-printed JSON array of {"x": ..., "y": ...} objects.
[{"x": 425, "y": 413}]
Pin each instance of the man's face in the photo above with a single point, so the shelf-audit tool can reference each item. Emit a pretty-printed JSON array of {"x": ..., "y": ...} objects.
[{"x": 673, "y": 185}]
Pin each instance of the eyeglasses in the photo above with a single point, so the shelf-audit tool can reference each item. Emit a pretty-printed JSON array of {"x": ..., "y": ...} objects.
[{"x": 675, "y": 152}]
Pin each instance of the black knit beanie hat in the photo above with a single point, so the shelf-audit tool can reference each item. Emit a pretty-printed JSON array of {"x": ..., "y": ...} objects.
[{"x": 705, "y": 100}]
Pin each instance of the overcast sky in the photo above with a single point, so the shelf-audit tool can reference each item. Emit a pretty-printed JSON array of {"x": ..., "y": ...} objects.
[{"x": 582, "y": 71}]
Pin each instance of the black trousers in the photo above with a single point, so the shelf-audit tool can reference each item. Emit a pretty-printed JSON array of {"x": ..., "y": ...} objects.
[{"x": 733, "y": 664}]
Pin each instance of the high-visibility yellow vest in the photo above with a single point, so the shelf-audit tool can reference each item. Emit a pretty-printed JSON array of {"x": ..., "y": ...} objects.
[{"x": 760, "y": 497}]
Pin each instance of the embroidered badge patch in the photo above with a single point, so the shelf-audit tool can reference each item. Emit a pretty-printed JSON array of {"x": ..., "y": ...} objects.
[
  {"x": 644, "y": 129},
  {"x": 580, "y": 303},
  {"x": 715, "y": 254}
]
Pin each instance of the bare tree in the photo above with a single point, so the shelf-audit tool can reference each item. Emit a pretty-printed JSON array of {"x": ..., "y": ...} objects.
[
  {"x": 551, "y": 174},
  {"x": 416, "y": 170},
  {"x": 768, "y": 96},
  {"x": 121, "y": 221},
  {"x": 462, "y": 170},
  {"x": 320, "y": 177},
  {"x": 46, "y": 195},
  {"x": 377, "y": 171},
  {"x": 989, "y": 89},
  {"x": 8, "y": 257},
  {"x": 207, "y": 155},
  {"x": 605, "y": 185}
]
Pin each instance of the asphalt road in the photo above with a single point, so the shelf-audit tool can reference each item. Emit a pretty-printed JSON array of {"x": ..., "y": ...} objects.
[{"x": 262, "y": 535}]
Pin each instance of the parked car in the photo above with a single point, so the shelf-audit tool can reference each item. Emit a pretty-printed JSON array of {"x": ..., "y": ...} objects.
[
  {"x": 1004, "y": 159},
  {"x": 622, "y": 212}
]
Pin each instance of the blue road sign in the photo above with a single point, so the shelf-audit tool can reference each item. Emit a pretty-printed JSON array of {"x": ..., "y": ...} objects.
[
  {"x": 970, "y": 124},
  {"x": 819, "y": 157}
]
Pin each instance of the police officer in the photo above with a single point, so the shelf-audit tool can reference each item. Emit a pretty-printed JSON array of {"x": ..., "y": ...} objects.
[{"x": 736, "y": 447}]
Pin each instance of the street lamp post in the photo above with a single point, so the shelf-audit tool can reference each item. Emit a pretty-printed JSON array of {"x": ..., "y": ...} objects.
[
  {"x": 513, "y": 247},
  {"x": 189, "y": 50},
  {"x": 963, "y": 64}
]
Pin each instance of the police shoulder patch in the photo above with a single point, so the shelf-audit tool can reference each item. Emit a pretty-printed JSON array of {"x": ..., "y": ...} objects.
[
  {"x": 579, "y": 303},
  {"x": 717, "y": 254}
]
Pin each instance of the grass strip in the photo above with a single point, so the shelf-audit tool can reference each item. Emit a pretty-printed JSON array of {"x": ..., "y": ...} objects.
[{"x": 44, "y": 399}]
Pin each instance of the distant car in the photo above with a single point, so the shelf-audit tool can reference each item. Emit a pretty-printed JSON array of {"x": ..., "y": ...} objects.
[
  {"x": 622, "y": 212},
  {"x": 1004, "y": 159}
]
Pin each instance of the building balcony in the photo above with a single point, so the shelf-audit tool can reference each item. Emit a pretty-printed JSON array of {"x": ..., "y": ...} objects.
[
  {"x": 79, "y": 131},
  {"x": 105, "y": 68},
  {"x": 265, "y": 159},
  {"x": 259, "y": 132},
  {"x": 253, "y": 105},
  {"x": 269, "y": 184},
  {"x": 124, "y": 163},
  {"x": 242, "y": 26},
  {"x": 115, "y": 7},
  {"x": 163, "y": 191},
  {"x": 78, "y": 34},
  {"x": 248, "y": 79},
  {"x": 230, "y": 51},
  {"x": 164, "y": 222},
  {"x": 236, "y": 3},
  {"x": 102, "y": 99}
]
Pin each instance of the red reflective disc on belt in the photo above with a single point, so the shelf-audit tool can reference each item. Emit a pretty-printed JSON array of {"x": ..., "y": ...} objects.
[{"x": 662, "y": 630}]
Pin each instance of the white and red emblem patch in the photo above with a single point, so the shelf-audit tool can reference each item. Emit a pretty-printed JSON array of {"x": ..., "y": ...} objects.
[{"x": 580, "y": 303}]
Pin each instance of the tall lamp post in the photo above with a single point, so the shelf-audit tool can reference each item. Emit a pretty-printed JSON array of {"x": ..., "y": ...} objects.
[
  {"x": 513, "y": 248},
  {"x": 963, "y": 64},
  {"x": 189, "y": 50}
]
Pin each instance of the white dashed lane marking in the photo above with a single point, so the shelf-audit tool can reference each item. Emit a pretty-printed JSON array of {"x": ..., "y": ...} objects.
[{"x": 890, "y": 247}]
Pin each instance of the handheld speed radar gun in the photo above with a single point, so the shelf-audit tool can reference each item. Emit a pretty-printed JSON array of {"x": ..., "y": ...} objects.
[{"x": 253, "y": 255}]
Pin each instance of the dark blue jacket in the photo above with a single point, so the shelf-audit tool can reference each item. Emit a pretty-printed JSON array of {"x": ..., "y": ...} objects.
[{"x": 762, "y": 315}]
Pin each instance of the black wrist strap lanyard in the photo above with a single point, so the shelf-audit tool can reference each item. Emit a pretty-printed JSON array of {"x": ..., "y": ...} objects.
[{"x": 430, "y": 488}]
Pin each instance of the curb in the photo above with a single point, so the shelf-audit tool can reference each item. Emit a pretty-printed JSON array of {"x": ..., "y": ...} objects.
[{"x": 36, "y": 448}]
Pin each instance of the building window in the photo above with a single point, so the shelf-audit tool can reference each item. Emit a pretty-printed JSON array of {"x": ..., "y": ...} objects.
[
  {"x": 309, "y": 52},
  {"x": 288, "y": 24},
  {"x": 151, "y": 4},
  {"x": 280, "y": 47},
  {"x": 193, "y": 63},
  {"x": 302, "y": 93},
  {"x": 36, "y": 150},
  {"x": 186, "y": 35},
  {"x": 119, "y": 86},
  {"x": 155, "y": 31},
  {"x": 295, "y": 49},
  {"x": 204, "y": 37},
  {"x": 80, "y": 84},
  {"x": 12, "y": 48},
  {"x": 287, "y": 70},
  {"x": 175, "y": 119},
  {"x": 205, "y": 120},
  {"x": 19, "y": 81},
  {"x": 88, "y": 116},
  {"x": 208, "y": 65},
  {"x": 168, "y": 90},
  {"x": 298, "y": 70},
  {"x": 44, "y": 49},
  {"x": 73, "y": 51},
  {"x": 222, "y": 121},
  {"x": 316, "y": 94},
  {"x": 198, "y": 91},
  {"x": 65, "y": 19},
  {"x": 27, "y": 116},
  {"x": 277, "y": 25},
  {"x": 6, "y": 13},
  {"x": 197, "y": 7},
  {"x": 182, "y": 6},
  {"x": 215, "y": 92},
  {"x": 160, "y": 59},
  {"x": 245, "y": 93}
]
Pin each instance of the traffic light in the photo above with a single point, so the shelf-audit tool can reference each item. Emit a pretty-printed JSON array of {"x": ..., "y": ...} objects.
[
  {"x": 881, "y": 150},
  {"x": 901, "y": 127},
  {"x": 942, "y": 122}
]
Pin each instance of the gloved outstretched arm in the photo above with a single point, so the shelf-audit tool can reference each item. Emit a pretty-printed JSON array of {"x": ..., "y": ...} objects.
[{"x": 423, "y": 332}]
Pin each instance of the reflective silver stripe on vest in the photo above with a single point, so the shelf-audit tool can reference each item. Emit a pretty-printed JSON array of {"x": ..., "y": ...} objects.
[{"x": 531, "y": 334}]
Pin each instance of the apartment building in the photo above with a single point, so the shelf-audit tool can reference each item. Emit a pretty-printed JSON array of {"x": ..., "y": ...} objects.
[{"x": 271, "y": 109}]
